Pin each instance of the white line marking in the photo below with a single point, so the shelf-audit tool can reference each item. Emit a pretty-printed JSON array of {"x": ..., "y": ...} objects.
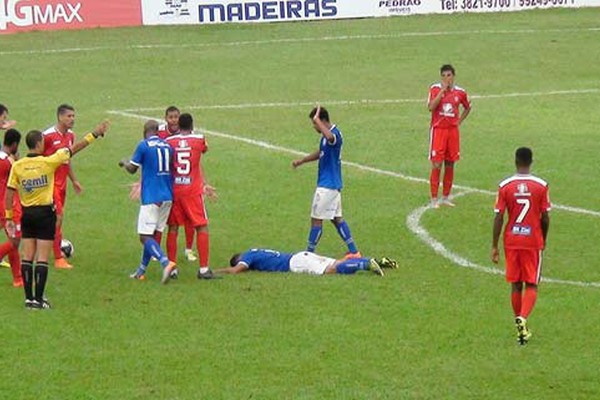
[
  {"x": 362, "y": 167},
  {"x": 413, "y": 221},
  {"x": 156, "y": 46},
  {"x": 363, "y": 101}
]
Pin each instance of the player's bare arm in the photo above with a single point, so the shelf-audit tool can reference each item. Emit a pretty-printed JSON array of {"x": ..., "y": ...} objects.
[
  {"x": 129, "y": 167},
  {"x": 435, "y": 102},
  {"x": 99, "y": 131},
  {"x": 545, "y": 225},
  {"x": 7, "y": 124},
  {"x": 210, "y": 192},
  {"x": 76, "y": 185},
  {"x": 497, "y": 230},
  {"x": 464, "y": 115},
  {"x": 239, "y": 268},
  {"x": 8, "y": 213},
  {"x": 314, "y": 156}
]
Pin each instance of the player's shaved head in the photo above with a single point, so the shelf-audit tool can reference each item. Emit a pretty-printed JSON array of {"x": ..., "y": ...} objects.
[
  {"x": 186, "y": 122},
  {"x": 234, "y": 260},
  {"x": 150, "y": 128},
  {"x": 33, "y": 138},
  {"x": 64, "y": 108},
  {"x": 523, "y": 157},
  {"x": 323, "y": 114},
  {"x": 447, "y": 68}
]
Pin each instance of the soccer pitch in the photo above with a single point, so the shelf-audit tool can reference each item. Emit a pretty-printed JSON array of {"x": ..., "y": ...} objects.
[{"x": 432, "y": 329}]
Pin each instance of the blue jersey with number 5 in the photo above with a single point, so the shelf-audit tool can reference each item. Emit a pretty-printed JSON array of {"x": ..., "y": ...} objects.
[{"x": 154, "y": 156}]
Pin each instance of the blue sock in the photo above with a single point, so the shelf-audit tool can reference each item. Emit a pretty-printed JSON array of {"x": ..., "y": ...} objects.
[
  {"x": 344, "y": 231},
  {"x": 313, "y": 238},
  {"x": 144, "y": 264},
  {"x": 352, "y": 266},
  {"x": 152, "y": 249}
]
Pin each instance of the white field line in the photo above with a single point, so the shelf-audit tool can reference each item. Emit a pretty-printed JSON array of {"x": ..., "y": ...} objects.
[
  {"x": 362, "y": 167},
  {"x": 413, "y": 221},
  {"x": 158, "y": 46},
  {"x": 363, "y": 101}
]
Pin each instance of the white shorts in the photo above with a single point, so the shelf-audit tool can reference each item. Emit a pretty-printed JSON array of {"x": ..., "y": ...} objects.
[
  {"x": 153, "y": 217},
  {"x": 309, "y": 263},
  {"x": 327, "y": 204}
]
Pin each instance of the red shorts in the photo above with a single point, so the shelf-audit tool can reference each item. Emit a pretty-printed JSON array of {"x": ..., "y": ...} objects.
[
  {"x": 523, "y": 265},
  {"x": 60, "y": 198},
  {"x": 188, "y": 210},
  {"x": 444, "y": 144}
]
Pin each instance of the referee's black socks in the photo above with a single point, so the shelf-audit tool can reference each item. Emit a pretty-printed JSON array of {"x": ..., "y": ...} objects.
[
  {"x": 41, "y": 275},
  {"x": 27, "y": 273}
]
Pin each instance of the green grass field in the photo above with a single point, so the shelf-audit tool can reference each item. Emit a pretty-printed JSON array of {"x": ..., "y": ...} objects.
[{"x": 430, "y": 330}]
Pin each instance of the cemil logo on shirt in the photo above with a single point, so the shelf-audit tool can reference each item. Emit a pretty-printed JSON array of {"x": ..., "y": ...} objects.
[{"x": 30, "y": 184}]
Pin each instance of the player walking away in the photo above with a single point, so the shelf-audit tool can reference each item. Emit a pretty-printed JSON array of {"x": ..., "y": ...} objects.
[
  {"x": 33, "y": 177},
  {"x": 58, "y": 137},
  {"x": 5, "y": 123},
  {"x": 525, "y": 197},
  {"x": 8, "y": 155},
  {"x": 445, "y": 99},
  {"x": 154, "y": 156},
  {"x": 189, "y": 188},
  {"x": 327, "y": 201},
  {"x": 304, "y": 262}
]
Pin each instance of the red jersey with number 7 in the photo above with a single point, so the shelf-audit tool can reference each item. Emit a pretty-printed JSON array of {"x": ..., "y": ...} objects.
[
  {"x": 187, "y": 174},
  {"x": 525, "y": 198}
]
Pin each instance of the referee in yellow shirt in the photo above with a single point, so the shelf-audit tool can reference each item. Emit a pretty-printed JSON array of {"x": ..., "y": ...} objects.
[{"x": 33, "y": 177}]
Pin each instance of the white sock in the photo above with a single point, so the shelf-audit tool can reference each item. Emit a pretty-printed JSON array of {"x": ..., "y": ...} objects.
[{"x": 204, "y": 270}]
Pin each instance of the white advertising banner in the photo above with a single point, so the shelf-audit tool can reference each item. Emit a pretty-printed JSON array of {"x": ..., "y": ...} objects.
[{"x": 157, "y": 12}]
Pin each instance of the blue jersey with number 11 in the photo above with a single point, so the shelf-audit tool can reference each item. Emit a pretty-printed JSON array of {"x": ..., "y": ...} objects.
[{"x": 154, "y": 156}]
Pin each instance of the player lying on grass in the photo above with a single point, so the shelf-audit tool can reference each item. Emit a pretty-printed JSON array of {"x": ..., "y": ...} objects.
[{"x": 303, "y": 262}]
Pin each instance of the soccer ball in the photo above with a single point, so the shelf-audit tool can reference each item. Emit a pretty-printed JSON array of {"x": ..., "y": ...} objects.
[{"x": 66, "y": 248}]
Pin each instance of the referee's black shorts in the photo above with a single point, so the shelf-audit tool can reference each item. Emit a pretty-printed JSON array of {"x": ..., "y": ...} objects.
[{"x": 38, "y": 222}]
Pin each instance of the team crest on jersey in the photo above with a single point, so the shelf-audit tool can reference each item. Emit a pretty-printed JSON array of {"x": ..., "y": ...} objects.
[{"x": 522, "y": 190}]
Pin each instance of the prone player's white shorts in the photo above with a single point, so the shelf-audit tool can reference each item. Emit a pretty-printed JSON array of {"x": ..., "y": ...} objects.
[
  {"x": 327, "y": 204},
  {"x": 309, "y": 263},
  {"x": 153, "y": 217}
]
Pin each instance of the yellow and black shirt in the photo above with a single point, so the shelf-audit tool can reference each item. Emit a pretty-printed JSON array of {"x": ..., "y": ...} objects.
[{"x": 33, "y": 177}]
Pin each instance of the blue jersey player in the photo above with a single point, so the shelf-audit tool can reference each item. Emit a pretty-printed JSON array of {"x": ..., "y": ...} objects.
[
  {"x": 154, "y": 156},
  {"x": 306, "y": 262},
  {"x": 327, "y": 201}
]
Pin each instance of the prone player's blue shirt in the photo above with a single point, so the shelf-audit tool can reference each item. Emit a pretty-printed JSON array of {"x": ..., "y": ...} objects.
[
  {"x": 154, "y": 156},
  {"x": 330, "y": 161},
  {"x": 266, "y": 260}
]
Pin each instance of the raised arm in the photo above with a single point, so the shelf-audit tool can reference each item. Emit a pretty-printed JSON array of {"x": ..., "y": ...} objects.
[
  {"x": 435, "y": 101},
  {"x": 99, "y": 131}
]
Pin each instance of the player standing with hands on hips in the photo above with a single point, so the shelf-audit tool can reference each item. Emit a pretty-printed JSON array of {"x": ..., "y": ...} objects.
[
  {"x": 33, "y": 177},
  {"x": 445, "y": 99},
  {"x": 526, "y": 200},
  {"x": 327, "y": 202}
]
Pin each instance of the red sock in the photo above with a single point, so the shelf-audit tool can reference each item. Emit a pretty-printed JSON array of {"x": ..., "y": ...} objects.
[
  {"x": 529, "y": 299},
  {"x": 434, "y": 181},
  {"x": 57, "y": 240},
  {"x": 516, "y": 302},
  {"x": 189, "y": 236},
  {"x": 172, "y": 246},
  {"x": 448, "y": 180},
  {"x": 202, "y": 246},
  {"x": 15, "y": 264},
  {"x": 158, "y": 237},
  {"x": 5, "y": 248}
]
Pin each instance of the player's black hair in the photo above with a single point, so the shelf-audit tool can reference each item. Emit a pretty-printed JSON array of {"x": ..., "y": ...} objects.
[
  {"x": 33, "y": 138},
  {"x": 447, "y": 67},
  {"x": 186, "y": 122},
  {"x": 63, "y": 108},
  {"x": 3, "y": 109},
  {"x": 235, "y": 259},
  {"x": 171, "y": 109},
  {"x": 523, "y": 157},
  {"x": 323, "y": 114},
  {"x": 11, "y": 137}
]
